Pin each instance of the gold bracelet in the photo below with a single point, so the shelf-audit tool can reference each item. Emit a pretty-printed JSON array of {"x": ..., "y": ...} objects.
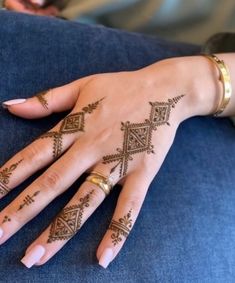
[{"x": 225, "y": 79}]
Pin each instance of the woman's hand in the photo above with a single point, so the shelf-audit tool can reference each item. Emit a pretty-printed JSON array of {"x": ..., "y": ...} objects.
[
  {"x": 121, "y": 125},
  {"x": 31, "y": 7}
]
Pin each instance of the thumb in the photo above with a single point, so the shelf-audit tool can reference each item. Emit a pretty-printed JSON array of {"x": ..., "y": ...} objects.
[{"x": 45, "y": 103}]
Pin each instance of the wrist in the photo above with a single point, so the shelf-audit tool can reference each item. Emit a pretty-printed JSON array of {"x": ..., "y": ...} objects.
[
  {"x": 203, "y": 85},
  {"x": 200, "y": 83},
  {"x": 193, "y": 76}
]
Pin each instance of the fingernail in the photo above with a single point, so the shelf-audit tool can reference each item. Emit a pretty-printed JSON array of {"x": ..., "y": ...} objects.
[
  {"x": 7, "y": 103},
  {"x": 106, "y": 257},
  {"x": 38, "y": 2},
  {"x": 33, "y": 256},
  {"x": 1, "y": 232}
]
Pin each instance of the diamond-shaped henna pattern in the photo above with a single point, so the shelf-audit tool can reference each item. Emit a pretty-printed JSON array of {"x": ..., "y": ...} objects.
[
  {"x": 71, "y": 124},
  {"x": 138, "y": 136},
  {"x": 69, "y": 221},
  {"x": 160, "y": 113}
]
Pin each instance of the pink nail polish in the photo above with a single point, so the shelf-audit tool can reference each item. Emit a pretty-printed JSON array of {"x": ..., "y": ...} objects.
[
  {"x": 33, "y": 256},
  {"x": 38, "y": 2},
  {"x": 7, "y": 103},
  {"x": 106, "y": 257},
  {"x": 1, "y": 232}
]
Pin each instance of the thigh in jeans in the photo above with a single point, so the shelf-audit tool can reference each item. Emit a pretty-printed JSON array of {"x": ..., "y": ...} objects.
[{"x": 185, "y": 230}]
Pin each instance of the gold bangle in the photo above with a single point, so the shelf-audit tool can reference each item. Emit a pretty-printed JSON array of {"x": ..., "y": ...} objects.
[{"x": 226, "y": 81}]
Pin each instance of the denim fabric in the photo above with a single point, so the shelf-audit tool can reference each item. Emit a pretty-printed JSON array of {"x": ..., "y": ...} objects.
[{"x": 186, "y": 228}]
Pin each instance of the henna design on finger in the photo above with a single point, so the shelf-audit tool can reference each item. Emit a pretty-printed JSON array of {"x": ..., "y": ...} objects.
[
  {"x": 28, "y": 200},
  {"x": 122, "y": 227},
  {"x": 41, "y": 98},
  {"x": 6, "y": 219},
  {"x": 69, "y": 220},
  {"x": 5, "y": 175},
  {"x": 138, "y": 136},
  {"x": 70, "y": 124}
]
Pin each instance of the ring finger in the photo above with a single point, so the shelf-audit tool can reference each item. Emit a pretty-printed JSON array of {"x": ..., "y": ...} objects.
[{"x": 66, "y": 224}]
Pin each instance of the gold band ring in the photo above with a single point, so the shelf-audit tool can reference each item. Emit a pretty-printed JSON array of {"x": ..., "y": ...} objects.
[{"x": 103, "y": 182}]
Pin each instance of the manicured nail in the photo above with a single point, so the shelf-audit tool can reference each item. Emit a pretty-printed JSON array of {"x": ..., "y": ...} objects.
[
  {"x": 1, "y": 232},
  {"x": 106, "y": 257},
  {"x": 38, "y": 2},
  {"x": 5, "y": 104},
  {"x": 33, "y": 256}
]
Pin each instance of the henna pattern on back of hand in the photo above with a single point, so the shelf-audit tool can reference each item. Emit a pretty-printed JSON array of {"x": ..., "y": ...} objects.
[
  {"x": 138, "y": 136},
  {"x": 72, "y": 123},
  {"x": 69, "y": 220},
  {"x": 5, "y": 175}
]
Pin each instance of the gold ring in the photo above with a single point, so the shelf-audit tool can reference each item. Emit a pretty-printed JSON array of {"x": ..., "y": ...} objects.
[{"x": 100, "y": 180}]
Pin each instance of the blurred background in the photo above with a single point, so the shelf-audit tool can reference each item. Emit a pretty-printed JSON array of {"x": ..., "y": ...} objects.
[{"x": 183, "y": 20}]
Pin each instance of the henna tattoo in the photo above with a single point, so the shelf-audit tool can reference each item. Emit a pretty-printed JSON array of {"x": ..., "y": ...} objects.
[
  {"x": 6, "y": 219},
  {"x": 41, "y": 98},
  {"x": 138, "y": 136},
  {"x": 69, "y": 220},
  {"x": 122, "y": 227},
  {"x": 71, "y": 124},
  {"x": 5, "y": 175},
  {"x": 28, "y": 200}
]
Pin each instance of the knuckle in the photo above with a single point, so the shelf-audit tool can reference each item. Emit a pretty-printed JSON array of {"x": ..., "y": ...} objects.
[
  {"x": 33, "y": 153},
  {"x": 96, "y": 192},
  {"x": 104, "y": 135},
  {"x": 134, "y": 201},
  {"x": 50, "y": 180},
  {"x": 97, "y": 195}
]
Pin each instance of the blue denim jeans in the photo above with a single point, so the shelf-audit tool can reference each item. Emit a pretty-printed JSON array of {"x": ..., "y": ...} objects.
[{"x": 186, "y": 228}]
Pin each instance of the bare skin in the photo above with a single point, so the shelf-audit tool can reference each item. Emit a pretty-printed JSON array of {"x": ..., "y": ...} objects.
[
  {"x": 31, "y": 7},
  {"x": 121, "y": 124}
]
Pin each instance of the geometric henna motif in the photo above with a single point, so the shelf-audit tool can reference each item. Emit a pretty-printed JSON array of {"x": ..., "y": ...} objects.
[
  {"x": 138, "y": 136},
  {"x": 68, "y": 221},
  {"x": 42, "y": 99},
  {"x": 28, "y": 200},
  {"x": 121, "y": 228},
  {"x": 73, "y": 123},
  {"x": 70, "y": 124},
  {"x": 5, "y": 175}
]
